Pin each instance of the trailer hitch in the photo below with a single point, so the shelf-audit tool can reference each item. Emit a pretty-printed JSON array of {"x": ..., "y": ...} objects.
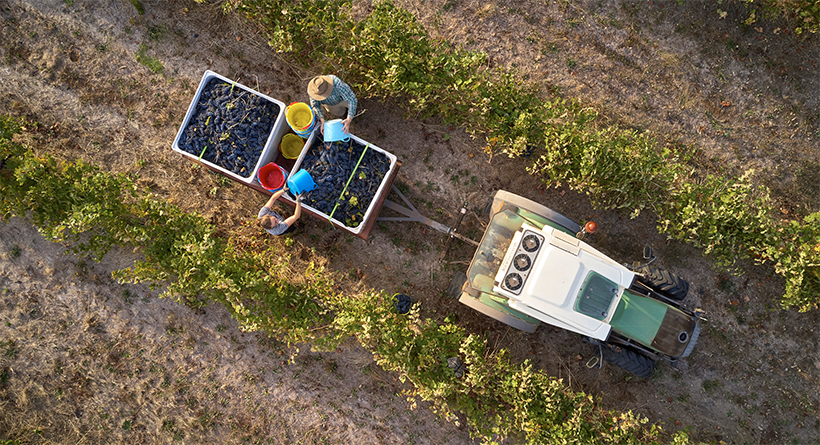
[{"x": 454, "y": 233}]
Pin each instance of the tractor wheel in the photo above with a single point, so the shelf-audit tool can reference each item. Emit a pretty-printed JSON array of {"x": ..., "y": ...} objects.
[
  {"x": 457, "y": 283},
  {"x": 488, "y": 207},
  {"x": 662, "y": 281},
  {"x": 628, "y": 360}
]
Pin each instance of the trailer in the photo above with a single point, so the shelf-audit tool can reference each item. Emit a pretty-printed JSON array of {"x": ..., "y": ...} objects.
[{"x": 270, "y": 152}]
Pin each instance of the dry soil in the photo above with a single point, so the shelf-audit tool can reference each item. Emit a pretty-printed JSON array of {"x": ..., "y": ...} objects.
[{"x": 88, "y": 360}]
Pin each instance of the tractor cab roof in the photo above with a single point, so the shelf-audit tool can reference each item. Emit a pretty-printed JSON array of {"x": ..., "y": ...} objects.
[
  {"x": 569, "y": 281},
  {"x": 564, "y": 279}
]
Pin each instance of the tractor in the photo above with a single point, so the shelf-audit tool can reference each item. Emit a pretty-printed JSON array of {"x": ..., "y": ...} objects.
[{"x": 533, "y": 265}]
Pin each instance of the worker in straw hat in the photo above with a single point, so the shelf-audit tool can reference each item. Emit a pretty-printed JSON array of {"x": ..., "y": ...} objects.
[{"x": 329, "y": 94}]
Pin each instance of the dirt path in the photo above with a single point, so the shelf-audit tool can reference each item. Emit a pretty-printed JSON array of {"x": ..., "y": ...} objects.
[
  {"x": 73, "y": 69},
  {"x": 86, "y": 360}
]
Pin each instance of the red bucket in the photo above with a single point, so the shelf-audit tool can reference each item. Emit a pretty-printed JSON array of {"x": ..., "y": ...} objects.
[{"x": 272, "y": 177}]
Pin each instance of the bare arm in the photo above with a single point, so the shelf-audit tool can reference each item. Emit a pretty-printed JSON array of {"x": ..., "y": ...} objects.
[
  {"x": 275, "y": 196},
  {"x": 296, "y": 213}
]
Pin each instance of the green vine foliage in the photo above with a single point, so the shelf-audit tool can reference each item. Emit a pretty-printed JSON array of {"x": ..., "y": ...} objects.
[
  {"x": 9, "y": 126},
  {"x": 615, "y": 168},
  {"x": 250, "y": 278},
  {"x": 723, "y": 216},
  {"x": 498, "y": 398},
  {"x": 803, "y": 15},
  {"x": 794, "y": 248},
  {"x": 68, "y": 202},
  {"x": 387, "y": 53},
  {"x": 732, "y": 218}
]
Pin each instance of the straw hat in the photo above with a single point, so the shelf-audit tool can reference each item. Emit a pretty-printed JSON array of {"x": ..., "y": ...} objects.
[{"x": 320, "y": 87}]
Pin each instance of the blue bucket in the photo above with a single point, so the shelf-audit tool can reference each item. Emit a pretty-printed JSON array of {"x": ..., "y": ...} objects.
[
  {"x": 300, "y": 182},
  {"x": 334, "y": 131}
]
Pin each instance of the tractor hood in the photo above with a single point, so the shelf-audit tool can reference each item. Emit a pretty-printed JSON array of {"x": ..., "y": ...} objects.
[
  {"x": 654, "y": 324},
  {"x": 560, "y": 279}
]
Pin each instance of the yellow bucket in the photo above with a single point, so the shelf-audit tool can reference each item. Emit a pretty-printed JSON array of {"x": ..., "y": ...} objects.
[
  {"x": 291, "y": 146},
  {"x": 300, "y": 118}
]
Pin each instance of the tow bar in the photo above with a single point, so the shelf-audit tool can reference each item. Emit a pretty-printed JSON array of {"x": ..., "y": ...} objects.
[{"x": 411, "y": 214}]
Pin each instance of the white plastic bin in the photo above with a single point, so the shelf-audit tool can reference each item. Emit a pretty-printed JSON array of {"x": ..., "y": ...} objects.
[
  {"x": 271, "y": 148},
  {"x": 381, "y": 190}
]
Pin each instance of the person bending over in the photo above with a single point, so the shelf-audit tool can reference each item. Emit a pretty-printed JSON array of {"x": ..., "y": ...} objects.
[
  {"x": 330, "y": 94},
  {"x": 272, "y": 221}
]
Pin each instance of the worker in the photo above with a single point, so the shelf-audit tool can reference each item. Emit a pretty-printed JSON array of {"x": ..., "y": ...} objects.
[
  {"x": 330, "y": 94},
  {"x": 272, "y": 221}
]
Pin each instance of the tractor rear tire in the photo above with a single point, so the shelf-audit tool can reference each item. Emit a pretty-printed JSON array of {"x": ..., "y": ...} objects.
[
  {"x": 662, "y": 281},
  {"x": 488, "y": 207},
  {"x": 456, "y": 285},
  {"x": 628, "y": 360}
]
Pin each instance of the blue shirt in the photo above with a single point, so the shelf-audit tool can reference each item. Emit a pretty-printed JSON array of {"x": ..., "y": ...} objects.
[{"x": 341, "y": 92}]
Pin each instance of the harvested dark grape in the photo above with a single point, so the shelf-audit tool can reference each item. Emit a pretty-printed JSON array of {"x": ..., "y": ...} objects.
[
  {"x": 229, "y": 127},
  {"x": 330, "y": 165}
]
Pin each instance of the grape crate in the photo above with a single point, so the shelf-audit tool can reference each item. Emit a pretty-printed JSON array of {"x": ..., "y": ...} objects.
[
  {"x": 330, "y": 165},
  {"x": 229, "y": 127}
]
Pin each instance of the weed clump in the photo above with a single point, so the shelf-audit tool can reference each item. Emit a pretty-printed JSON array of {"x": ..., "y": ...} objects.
[
  {"x": 152, "y": 63},
  {"x": 138, "y": 4}
]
